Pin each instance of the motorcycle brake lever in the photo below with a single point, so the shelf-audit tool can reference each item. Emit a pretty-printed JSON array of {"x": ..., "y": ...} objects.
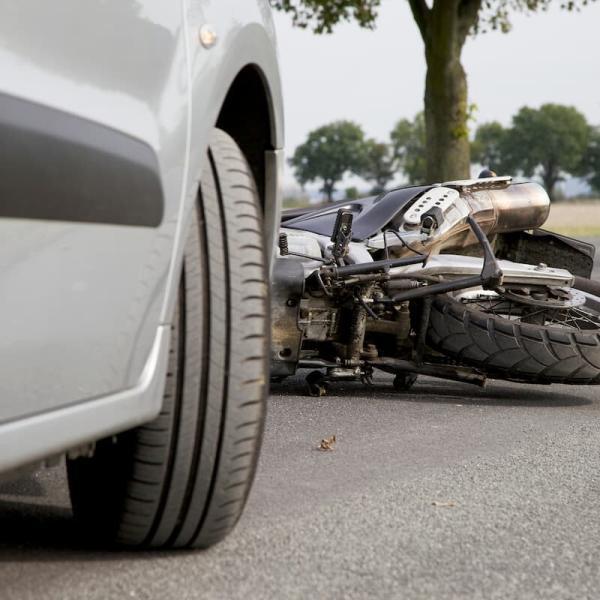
[{"x": 491, "y": 273}]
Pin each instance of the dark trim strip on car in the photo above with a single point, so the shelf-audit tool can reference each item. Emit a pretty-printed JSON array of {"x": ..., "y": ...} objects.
[{"x": 62, "y": 167}]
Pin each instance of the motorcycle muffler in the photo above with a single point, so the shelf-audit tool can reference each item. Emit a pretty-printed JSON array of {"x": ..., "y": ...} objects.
[{"x": 518, "y": 207}]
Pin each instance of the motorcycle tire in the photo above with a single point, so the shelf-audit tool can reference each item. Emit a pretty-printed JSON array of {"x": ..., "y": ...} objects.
[{"x": 517, "y": 351}]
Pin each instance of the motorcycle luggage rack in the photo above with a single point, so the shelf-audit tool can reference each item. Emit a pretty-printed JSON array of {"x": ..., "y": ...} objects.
[{"x": 482, "y": 183}]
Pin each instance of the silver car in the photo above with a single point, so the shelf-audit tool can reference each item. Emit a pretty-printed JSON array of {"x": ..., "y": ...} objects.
[{"x": 140, "y": 152}]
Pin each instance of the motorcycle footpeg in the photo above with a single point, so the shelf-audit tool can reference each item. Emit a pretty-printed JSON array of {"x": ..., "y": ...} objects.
[{"x": 317, "y": 384}]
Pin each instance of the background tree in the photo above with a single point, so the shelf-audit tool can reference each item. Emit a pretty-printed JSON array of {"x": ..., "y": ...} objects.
[
  {"x": 444, "y": 26},
  {"x": 328, "y": 154},
  {"x": 408, "y": 143},
  {"x": 590, "y": 164},
  {"x": 352, "y": 193},
  {"x": 489, "y": 147},
  {"x": 550, "y": 141},
  {"x": 379, "y": 166}
]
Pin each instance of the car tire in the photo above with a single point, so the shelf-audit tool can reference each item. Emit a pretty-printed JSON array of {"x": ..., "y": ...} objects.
[{"x": 182, "y": 480}]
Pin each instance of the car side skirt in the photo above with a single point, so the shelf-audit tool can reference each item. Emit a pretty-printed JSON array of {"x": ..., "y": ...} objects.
[{"x": 34, "y": 438}]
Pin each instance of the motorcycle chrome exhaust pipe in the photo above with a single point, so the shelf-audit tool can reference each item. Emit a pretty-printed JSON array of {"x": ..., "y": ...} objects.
[{"x": 517, "y": 207}]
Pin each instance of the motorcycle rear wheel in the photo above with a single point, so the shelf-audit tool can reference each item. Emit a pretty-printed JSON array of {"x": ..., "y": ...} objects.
[{"x": 565, "y": 349}]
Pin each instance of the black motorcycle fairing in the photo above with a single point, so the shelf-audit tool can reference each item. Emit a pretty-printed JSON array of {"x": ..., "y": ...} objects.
[{"x": 371, "y": 214}]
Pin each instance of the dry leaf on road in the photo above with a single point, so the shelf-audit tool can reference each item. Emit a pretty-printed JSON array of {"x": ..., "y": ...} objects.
[{"x": 327, "y": 443}]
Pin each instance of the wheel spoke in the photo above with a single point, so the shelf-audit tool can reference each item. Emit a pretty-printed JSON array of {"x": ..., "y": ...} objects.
[{"x": 580, "y": 318}]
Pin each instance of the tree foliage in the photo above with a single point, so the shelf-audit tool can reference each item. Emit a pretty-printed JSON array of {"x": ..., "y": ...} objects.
[
  {"x": 322, "y": 15},
  {"x": 495, "y": 14},
  {"x": 444, "y": 26},
  {"x": 549, "y": 141},
  {"x": 552, "y": 139},
  {"x": 489, "y": 146},
  {"x": 329, "y": 153},
  {"x": 379, "y": 165},
  {"x": 408, "y": 143},
  {"x": 352, "y": 193},
  {"x": 590, "y": 164}
]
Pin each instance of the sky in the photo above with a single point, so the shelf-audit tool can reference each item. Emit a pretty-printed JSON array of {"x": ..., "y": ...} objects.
[{"x": 377, "y": 77}]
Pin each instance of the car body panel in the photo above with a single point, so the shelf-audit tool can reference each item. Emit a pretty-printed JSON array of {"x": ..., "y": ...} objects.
[
  {"x": 81, "y": 301},
  {"x": 245, "y": 36},
  {"x": 86, "y": 303},
  {"x": 28, "y": 440}
]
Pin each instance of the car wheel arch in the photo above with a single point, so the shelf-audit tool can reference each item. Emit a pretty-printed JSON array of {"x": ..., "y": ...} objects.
[{"x": 247, "y": 115}]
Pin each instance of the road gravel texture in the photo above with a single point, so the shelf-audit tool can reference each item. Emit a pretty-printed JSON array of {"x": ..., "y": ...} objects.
[{"x": 449, "y": 491}]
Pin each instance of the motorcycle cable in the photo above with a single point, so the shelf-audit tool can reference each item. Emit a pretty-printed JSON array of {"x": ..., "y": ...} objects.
[
  {"x": 325, "y": 261},
  {"x": 402, "y": 241},
  {"x": 385, "y": 245},
  {"x": 369, "y": 310}
]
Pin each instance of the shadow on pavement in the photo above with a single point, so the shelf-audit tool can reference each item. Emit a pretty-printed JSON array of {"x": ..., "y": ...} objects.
[
  {"x": 428, "y": 390},
  {"x": 41, "y": 528},
  {"x": 29, "y": 487},
  {"x": 33, "y": 531},
  {"x": 546, "y": 397}
]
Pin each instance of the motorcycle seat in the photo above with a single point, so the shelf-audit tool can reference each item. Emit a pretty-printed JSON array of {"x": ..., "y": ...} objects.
[{"x": 370, "y": 214}]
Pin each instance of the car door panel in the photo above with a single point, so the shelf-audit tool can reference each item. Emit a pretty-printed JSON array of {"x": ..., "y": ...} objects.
[{"x": 90, "y": 195}]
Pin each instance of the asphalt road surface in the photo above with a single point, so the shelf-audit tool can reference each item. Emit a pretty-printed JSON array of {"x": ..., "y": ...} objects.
[{"x": 448, "y": 491}]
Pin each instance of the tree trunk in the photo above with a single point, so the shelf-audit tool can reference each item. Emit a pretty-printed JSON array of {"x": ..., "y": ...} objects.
[
  {"x": 447, "y": 134},
  {"x": 550, "y": 178},
  {"x": 444, "y": 28},
  {"x": 328, "y": 189}
]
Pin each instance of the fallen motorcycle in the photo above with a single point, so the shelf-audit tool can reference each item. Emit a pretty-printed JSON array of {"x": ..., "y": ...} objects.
[{"x": 454, "y": 280}]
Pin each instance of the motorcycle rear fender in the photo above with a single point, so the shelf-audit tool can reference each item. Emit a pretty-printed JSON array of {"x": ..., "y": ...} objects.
[{"x": 547, "y": 247}]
